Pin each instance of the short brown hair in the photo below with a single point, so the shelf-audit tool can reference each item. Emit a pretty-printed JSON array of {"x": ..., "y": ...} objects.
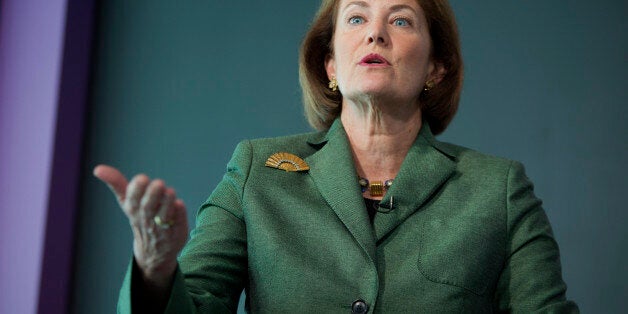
[{"x": 438, "y": 105}]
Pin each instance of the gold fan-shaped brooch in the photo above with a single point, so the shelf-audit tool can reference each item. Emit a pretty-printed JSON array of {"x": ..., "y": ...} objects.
[{"x": 287, "y": 162}]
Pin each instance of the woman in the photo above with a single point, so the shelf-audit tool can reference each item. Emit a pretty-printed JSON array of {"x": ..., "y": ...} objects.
[{"x": 372, "y": 213}]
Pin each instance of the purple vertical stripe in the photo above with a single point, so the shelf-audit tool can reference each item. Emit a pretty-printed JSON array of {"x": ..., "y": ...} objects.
[
  {"x": 63, "y": 200},
  {"x": 43, "y": 98},
  {"x": 31, "y": 36}
]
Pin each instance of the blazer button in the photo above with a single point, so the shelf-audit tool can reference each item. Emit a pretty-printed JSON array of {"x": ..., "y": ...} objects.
[{"x": 359, "y": 307}]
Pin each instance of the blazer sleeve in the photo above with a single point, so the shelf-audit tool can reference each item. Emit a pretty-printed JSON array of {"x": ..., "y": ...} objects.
[
  {"x": 531, "y": 280},
  {"x": 212, "y": 270}
]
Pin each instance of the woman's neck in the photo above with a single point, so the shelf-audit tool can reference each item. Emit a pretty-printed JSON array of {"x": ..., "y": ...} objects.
[{"x": 380, "y": 136}]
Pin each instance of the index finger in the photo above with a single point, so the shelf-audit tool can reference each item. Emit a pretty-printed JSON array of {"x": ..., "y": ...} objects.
[{"x": 114, "y": 179}]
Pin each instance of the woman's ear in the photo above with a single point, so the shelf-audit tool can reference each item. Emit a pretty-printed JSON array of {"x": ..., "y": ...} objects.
[
  {"x": 437, "y": 73},
  {"x": 330, "y": 67}
]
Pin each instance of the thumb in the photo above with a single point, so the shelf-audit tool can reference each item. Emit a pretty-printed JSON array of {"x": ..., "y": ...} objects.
[{"x": 114, "y": 179}]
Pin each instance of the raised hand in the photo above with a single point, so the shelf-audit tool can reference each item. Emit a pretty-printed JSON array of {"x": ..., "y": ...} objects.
[{"x": 158, "y": 220}]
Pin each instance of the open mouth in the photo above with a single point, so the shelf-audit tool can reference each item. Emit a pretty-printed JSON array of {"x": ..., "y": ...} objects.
[{"x": 374, "y": 59}]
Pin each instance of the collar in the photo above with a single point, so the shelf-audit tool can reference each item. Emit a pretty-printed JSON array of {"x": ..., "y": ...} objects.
[{"x": 427, "y": 166}]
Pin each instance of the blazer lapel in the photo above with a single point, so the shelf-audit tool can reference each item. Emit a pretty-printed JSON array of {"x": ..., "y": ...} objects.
[
  {"x": 333, "y": 172},
  {"x": 424, "y": 170}
]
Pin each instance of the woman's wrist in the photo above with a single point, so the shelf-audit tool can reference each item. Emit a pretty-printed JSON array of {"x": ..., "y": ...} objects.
[{"x": 160, "y": 277}]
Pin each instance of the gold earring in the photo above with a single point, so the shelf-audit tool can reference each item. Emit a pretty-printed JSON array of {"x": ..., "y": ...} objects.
[
  {"x": 333, "y": 84},
  {"x": 428, "y": 85}
]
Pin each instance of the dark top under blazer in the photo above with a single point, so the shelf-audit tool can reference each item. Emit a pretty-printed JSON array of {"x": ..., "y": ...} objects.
[{"x": 466, "y": 234}]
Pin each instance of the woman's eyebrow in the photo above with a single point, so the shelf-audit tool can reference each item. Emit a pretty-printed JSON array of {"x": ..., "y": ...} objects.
[
  {"x": 393, "y": 8},
  {"x": 362, "y": 4},
  {"x": 401, "y": 7}
]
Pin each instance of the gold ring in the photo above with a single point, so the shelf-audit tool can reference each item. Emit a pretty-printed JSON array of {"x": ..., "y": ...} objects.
[{"x": 162, "y": 223}]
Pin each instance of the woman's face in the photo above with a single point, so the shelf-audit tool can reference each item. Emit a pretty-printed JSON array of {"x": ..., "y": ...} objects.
[{"x": 381, "y": 48}]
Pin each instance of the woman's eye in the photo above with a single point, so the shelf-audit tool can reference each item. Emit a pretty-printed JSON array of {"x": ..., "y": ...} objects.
[
  {"x": 401, "y": 22},
  {"x": 356, "y": 20}
]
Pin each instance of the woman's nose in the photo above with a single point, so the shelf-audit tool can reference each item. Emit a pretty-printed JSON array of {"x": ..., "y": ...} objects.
[{"x": 377, "y": 34}]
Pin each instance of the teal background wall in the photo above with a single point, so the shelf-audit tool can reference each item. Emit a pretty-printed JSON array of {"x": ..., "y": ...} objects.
[{"x": 176, "y": 86}]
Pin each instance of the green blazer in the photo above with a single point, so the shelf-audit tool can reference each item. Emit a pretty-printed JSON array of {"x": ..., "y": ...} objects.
[{"x": 466, "y": 234}]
